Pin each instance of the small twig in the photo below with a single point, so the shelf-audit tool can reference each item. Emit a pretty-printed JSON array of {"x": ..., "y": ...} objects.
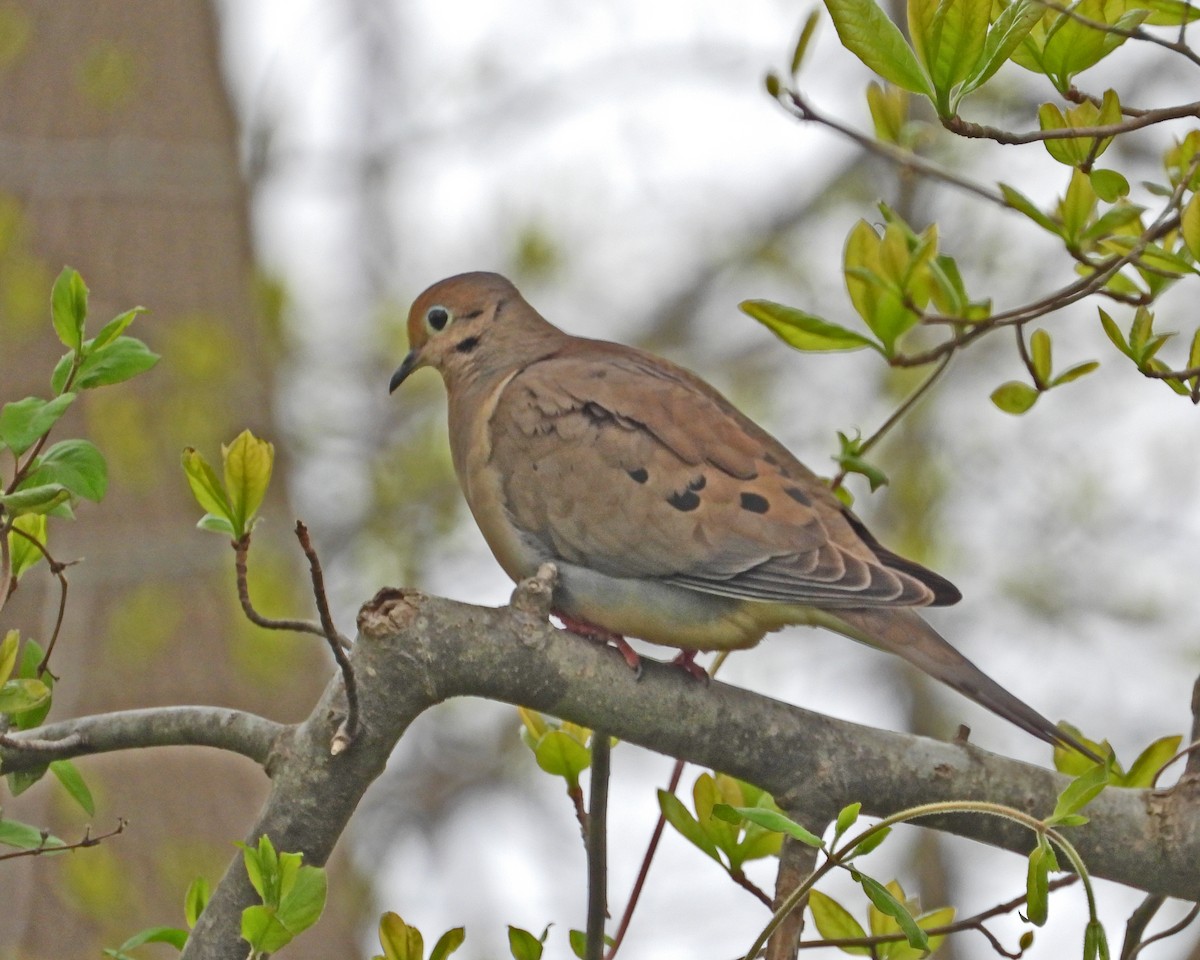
[
  {"x": 349, "y": 727},
  {"x": 905, "y": 159},
  {"x": 1104, "y": 131},
  {"x": 69, "y": 742},
  {"x": 655, "y": 837},
  {"x": 56, "y": 569},
  {"x": 241, "y": 548},
  {"x": 1136, "y": 925},
  {"x": 1163, "y": 934},
  {"x": 897, "y": 414},
  {"x": 747, "y": 884},
  {"x": 86, "y": 841},
  {"x": 337, "y": 643},
  {"x": 1023, "y": 352},
  {"x": 6, "y": 580},
  {"x": 576, "y": 794},
  {"x": 651, "y": 849},
  {"x": 1075, "y": 95},
  {"x": 975, "y": 922},
  {"x": 597, "y": 845}
]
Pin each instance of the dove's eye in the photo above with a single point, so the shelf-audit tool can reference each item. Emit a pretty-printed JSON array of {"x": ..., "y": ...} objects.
[{"x": 437, "y": 318}]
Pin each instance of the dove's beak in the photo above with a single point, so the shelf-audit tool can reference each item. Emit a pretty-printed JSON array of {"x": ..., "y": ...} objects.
[{"x": 411, "y": 362}]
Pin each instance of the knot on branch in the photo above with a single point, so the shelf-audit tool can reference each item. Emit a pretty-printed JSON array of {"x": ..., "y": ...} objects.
[
  {"x": 535, "y": 594},
  {"x": 389, "y": 611}
]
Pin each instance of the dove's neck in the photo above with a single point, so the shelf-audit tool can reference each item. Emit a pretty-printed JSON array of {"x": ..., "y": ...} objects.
[{"x": 506, "y": 345}]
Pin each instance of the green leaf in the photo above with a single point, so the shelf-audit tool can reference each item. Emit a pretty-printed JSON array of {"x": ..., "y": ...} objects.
[
  {"x": 76, "y": 464},
  {"x": 8, "y": 654},
  {"x": 24, "y": 554},
  {"x": 206, "y": 487},
  {"x": 1190, "y": 225},
  {"x": 1114, "y": 333},
  {"x": 27, "y": 669},
  {"x": 1168, "y": 13},
  {"x": 942, "y": 917},
  {"x": 952, "y": 42},
  {"x": 216, "y": 524},
  {"x": 865, "y": 846},
  {"x": 806, "y": 34},
  {"x": 867, "y": 32},
  {"x": 72, "y": 780},
  {"x": 260, "y": 870},
  {"x": 248, "y": 463},
  {"x": 1080, "y": 792},
  {"x": 172, "y": 935},
  {"x": 195, "y": 900},
  {"x": 850, "y": 459},
  {"x": 68, "y": 307},
  {"x": 1075, "y": 372},
  {"x": 888, "y": 905},
  {"x": 41, "y": 499},
  {"x": 1039, "y": 345},
  {"x": 399, "y": 940},
  {"x": 769, "y": 820},
  {"x": 304, "y": 902},
  {"x": 115, "y": 362},
  {"x": 1014, "y": 397},
  {"x": 115, "y": 327},
  {"x": 1011, "y": 27},
  {"x": 561, "y": 755},
  {"x": 20, "y": 696},
  {"x": 678, "y": 816},
  {"x": 1021, "y": 203},
  {"x": 846, "y": 818},
  {"x": 24, "y": 422},
  {"x": 448, "y": 943},
  {"x": 804, "y": 331},
  {"x": 1109, "y": 185},
  {"x": 1037, "y": 886},
  {"x": 263, "y": 930},
  {"x": 835, "y": 922},
  {"x": 578, "y": 941},
  {"x": 24, "y": 837},
  {"x": 523, "y": 945}
]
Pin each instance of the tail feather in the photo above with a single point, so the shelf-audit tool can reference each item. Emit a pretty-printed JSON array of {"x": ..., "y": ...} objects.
[{"x": 903, "y": 632}]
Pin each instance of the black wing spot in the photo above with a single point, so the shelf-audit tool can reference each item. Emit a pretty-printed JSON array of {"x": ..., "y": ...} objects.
[
  {"x": 500, "y": 304},
  {"x": 472, "y": 315},
  {"x": 698, "y": 483},
  {"x": 685, "y": 501},
  {"x": 798, "y": 495},
  {"x": 640, "y": 475},
  {"x": 754, "y": 503},
  {"x": 466, "y": 346},
  {"x": 595, "y": 412}
]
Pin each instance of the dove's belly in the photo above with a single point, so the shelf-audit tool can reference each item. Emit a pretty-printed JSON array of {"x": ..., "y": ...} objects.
[{"x": 667, "y": 614}]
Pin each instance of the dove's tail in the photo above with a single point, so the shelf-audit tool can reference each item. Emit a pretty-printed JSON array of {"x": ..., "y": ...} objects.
[{"x": 903, "y": 632}]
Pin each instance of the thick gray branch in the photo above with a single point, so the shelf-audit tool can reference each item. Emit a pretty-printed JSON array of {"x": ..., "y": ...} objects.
[
  {"x": 416, "y": 651},
  {"x": 234, "y": 730}
]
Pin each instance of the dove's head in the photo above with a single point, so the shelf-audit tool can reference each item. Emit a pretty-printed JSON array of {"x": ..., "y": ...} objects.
[{"x": 451, "y": 320}]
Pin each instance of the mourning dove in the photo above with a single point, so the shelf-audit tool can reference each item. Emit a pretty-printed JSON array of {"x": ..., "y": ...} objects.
[{"x": 670, "y": 516}]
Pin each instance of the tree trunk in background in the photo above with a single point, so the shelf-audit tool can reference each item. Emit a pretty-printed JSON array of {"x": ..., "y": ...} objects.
[{"x": 118, "y": 156}]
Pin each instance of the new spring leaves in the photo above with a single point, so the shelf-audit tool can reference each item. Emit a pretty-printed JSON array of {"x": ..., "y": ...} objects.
[
  {"x": 231, "y": 505},
  {"x": 957, "y": 47},
  {"x": 49, "y": 481}
]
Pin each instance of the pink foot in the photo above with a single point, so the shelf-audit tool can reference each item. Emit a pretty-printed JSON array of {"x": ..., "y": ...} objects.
[
  {"x": 600, "y": 635},
  {"x": 686, "y": 661}
]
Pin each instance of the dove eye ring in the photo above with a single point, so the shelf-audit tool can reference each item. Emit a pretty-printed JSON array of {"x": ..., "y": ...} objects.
[{"x": 437, "y": 318}]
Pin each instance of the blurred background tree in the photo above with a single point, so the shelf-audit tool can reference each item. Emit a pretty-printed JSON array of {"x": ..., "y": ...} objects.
[{"x": 121, "y": 159}]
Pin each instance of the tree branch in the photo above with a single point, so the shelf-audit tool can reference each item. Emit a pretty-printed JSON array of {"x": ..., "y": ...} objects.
[
  {"x": 416, "y": 651},
  {"x": 234, "y": 730}
]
